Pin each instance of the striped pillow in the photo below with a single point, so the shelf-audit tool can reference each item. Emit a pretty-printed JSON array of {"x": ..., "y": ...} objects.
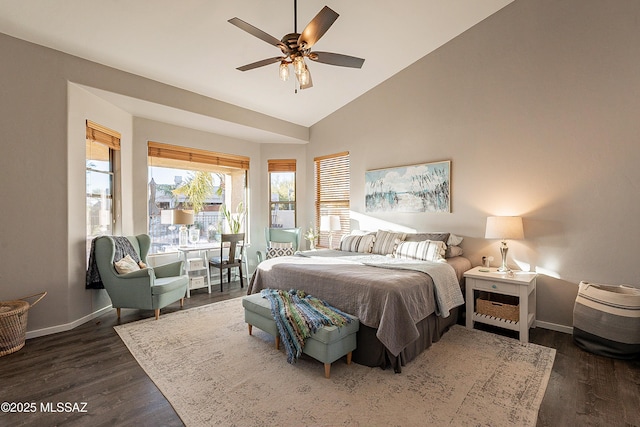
[
  {"x": 427, "y": 250},
  {"x": 350, "y": 243},
  {"x": 386, "y": 242},
  {"x": 366, "y": 243},
  {"x": 357, "y": 243}
]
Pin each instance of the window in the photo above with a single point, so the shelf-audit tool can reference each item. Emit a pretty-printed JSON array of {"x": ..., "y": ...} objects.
[
  {"x": 102, "y": 149},
  {"x": 282, "y": 190},
  {"x": 193, "y": 179},
  {"x": 332, "y": 193}
]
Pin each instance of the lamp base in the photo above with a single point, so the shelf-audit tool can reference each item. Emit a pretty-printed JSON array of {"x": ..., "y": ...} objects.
[
  {"x": 504, "y": 268},
  {"x": 183, "y": 236}
]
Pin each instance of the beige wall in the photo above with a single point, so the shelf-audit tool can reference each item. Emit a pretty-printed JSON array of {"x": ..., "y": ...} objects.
[
  {"x": 43, "y": 108},
  {"x": 537, "y": 109}
]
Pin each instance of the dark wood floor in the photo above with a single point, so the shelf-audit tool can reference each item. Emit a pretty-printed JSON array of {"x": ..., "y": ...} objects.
[{"x": 91, "y": 364}]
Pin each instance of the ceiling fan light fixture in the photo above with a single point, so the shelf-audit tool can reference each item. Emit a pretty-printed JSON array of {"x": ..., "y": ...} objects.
[
  {"x": 284, "y": 71},
  {"x": 303, "y": 77},
  {"x": 298, "y": 65}
]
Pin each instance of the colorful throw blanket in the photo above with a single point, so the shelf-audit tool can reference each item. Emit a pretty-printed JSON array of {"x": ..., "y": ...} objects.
[{"x": 298, "y": 315}]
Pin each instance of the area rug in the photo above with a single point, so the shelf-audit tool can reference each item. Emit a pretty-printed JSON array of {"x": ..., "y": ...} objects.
[{"x": 214, "y": 373}]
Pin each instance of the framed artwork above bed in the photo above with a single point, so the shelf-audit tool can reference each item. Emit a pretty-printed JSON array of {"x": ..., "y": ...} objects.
[{"x": 415, "y": 188}]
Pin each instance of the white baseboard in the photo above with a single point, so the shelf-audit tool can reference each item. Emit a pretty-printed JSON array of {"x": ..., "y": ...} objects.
[
  {"x": 68, "y": 326},
  {"x": 554, "y": 327}
]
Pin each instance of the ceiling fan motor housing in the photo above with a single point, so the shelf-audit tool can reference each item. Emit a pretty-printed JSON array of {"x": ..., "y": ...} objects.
[{"x": 291, "y": 42}]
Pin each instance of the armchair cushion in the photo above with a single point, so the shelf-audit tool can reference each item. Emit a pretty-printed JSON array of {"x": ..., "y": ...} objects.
[
  {"x": 126, "y": 265},
  {"x": 276, "y": 252},
  {"x": 168, "y": 270},
  {"x": 280, "y": 245},
  {"x": 168, "y": 284}
]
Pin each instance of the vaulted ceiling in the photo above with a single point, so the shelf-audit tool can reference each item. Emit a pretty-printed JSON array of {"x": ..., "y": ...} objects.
[{"x": 189, "y": 43}]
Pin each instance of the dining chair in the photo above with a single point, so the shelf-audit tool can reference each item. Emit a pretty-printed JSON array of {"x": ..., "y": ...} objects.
[{"x": 230, "y": 256}]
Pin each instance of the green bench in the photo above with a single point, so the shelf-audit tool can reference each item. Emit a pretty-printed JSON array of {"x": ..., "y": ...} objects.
[{"x": 327, "y": 344}]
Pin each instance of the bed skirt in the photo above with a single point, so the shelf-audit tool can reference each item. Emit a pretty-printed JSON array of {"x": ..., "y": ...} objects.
[{"x": 371, "y": 352}]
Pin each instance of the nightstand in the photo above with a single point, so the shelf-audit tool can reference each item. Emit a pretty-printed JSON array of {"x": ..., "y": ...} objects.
[{"x": 520, "y": 284}]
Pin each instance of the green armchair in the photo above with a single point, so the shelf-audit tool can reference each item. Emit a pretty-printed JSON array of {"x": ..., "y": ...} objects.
[
  {"x": 150, "y": 288},
  {"x": 281, "y": 236}
]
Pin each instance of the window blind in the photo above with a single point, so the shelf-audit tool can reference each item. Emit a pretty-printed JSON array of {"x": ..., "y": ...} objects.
[
  {"x": 282, "y": 165},
  {"x": 174, "y": 156},
  {"x": 333, "y": 192}
]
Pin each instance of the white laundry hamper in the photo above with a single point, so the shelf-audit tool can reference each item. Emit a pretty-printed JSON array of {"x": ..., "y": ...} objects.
[{"x": 606, "y": 320}]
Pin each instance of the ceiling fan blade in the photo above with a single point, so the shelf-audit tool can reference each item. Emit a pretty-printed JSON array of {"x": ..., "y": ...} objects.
[
  {"x": 317, "y": 27},
  {"x": 337, "y": 59},
  {"x": 259, "y": 64},
  {"x": 258, "y": 33}
]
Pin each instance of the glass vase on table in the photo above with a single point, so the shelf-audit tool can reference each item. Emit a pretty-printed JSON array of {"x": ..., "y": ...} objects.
[{"x": 194, "y": 235}]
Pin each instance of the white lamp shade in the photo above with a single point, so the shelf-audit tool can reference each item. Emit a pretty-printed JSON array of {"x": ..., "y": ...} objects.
[
  {"x": 181, "y": 216},
  {"x": 504, "y": 227},
  {"x": 330, "y": 223},
  {"x": 166, "y": 216}
]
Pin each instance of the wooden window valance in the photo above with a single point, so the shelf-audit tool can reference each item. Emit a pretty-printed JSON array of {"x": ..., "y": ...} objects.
[
  {"x": 282, "y": 165},
  {"x": 103, "y": 135}
]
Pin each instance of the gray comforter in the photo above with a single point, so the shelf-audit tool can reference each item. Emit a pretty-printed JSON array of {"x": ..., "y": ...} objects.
[{"x": 391, "y": 299}]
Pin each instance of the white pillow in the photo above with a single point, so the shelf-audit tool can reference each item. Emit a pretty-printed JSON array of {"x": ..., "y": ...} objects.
[
  {"x": 453, "y": 251},
  {"x": 361, "y": 232},
  {"x": 280, "y": 245},
  {"x": 426, "y": 250},
  {"x": 126, "y": 265},
  {"x": 454, "y": 240}
]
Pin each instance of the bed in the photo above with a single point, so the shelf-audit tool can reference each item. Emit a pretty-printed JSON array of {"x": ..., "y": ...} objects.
[{"x": 400, "y": 313}]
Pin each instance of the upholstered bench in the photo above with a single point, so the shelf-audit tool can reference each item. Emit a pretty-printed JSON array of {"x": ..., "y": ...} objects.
[{"x": 326, "y": 345}]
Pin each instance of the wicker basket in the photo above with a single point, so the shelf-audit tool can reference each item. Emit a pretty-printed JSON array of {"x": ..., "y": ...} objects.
[
  {"x": 13, "y": 323},
  {"x": 501, "y": 310}
]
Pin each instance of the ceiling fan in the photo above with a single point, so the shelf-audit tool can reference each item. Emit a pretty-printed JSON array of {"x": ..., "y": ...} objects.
[{"x": 297, "y": 46}]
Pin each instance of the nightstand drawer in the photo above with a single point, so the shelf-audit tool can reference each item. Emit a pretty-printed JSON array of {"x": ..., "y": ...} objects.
[{"x": 494, "y": 286}]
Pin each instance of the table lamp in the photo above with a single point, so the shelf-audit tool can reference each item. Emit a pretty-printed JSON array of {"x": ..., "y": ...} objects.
[
  {"x": 330, "y": 223},
  {"x": 183, "y": 218},
  {"x": 503, "y": 228}
]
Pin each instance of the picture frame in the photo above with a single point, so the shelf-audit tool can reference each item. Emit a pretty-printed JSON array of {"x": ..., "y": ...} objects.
[{"x": 422, "y": 187}]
